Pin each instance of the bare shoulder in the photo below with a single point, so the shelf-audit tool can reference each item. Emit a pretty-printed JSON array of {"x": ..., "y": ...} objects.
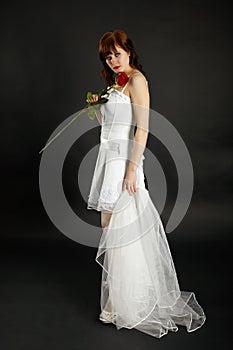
[
  {"x": 137, "y": 79},
  {"x": 138, "y": 89},
  {"x": 138, "y": 84}
]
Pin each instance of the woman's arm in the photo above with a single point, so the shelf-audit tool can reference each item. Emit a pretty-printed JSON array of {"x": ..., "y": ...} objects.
[{"x": 140, "y": 98}]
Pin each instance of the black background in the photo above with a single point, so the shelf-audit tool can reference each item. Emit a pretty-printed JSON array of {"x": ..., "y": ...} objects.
[{"x": 50, "y": 285}]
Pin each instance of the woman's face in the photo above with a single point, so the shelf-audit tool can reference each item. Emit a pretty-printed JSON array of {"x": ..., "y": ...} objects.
[{"x": 118, "y": 61}]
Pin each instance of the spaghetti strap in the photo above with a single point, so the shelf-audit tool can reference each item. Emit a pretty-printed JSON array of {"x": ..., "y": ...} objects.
[{"x": 124, "y": 87}]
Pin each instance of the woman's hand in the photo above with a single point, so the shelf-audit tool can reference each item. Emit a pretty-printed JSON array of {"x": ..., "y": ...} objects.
[
  {"x": 129, "y": 182},
  {"x": 93, "y": 99}
]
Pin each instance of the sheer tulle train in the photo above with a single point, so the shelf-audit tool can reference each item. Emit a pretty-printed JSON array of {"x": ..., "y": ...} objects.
[{"x": 139, "y": 287}]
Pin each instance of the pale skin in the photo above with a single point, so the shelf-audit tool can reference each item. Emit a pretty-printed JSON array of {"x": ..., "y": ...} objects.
[{"x": 137, "y": 90}]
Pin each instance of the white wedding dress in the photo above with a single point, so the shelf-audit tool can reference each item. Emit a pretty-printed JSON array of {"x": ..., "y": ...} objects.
[{"x": 139, "y": 286}]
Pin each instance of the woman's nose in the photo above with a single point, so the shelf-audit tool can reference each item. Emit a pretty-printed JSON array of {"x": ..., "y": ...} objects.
[{"x": 113, "y": 62}]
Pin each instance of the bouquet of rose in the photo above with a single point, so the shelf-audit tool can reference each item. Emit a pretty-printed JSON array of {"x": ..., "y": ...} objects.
[{"x": 103, "y": 96}]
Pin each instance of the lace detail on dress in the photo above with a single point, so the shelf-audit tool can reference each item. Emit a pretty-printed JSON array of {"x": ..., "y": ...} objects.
[
  {"x": 108, "y": 196},
  {"x": 106, "y": 200}
]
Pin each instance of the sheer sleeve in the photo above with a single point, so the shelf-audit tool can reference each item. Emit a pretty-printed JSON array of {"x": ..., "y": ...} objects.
[{"x": 99, "y": 114}]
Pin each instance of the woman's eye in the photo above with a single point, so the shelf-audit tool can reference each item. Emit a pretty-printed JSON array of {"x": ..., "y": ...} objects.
[
  {"x": 117, "y": 54},
  {"x": 108, "y": 58}
]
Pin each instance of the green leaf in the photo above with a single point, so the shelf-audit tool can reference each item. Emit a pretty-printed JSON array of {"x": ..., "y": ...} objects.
[
  {"x": 89, "y": 96},
  {"x": 101, "y": 92},
  {"x": 91, "y": 113}
]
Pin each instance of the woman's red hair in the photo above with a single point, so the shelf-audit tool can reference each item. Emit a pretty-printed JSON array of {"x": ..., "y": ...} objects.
[{"x": 107, "y": 45}]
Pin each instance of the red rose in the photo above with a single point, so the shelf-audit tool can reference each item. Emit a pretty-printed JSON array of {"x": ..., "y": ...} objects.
[{"x": 122, "y": 78}]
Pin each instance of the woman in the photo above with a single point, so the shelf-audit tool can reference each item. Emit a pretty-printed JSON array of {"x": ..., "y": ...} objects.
[{"x": 139, "y": 283}]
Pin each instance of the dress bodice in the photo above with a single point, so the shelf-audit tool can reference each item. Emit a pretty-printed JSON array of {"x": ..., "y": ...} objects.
[{"x": 117, "y": 117}]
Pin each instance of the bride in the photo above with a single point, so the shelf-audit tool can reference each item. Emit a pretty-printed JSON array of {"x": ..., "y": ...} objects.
[{"x": 139, "y": 287}]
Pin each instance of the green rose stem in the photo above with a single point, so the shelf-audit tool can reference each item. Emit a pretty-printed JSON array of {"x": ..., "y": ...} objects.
[
  {"x": 61, "y": 131},
  {"x": 103, "y": 95},
  {"x": 91, "y": 114}
]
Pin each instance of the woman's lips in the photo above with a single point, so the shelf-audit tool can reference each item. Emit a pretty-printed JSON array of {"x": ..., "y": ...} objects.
[{"x": 116, "y": 67}]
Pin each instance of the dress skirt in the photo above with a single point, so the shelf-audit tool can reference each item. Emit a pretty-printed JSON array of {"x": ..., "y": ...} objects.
[
  {"x": 107, "y": 181},
  {"x": 139, "y": 287}
]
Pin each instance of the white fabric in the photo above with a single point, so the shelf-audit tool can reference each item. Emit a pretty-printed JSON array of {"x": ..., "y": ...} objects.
[
  {"x": 116, "y": 143},
  {"x": 139, "y": 282}
]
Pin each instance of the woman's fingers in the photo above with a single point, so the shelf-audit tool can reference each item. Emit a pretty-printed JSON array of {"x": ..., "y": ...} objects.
[
  {"x": 94, "y": 98},
  {"x": 131, "y": 188}
]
